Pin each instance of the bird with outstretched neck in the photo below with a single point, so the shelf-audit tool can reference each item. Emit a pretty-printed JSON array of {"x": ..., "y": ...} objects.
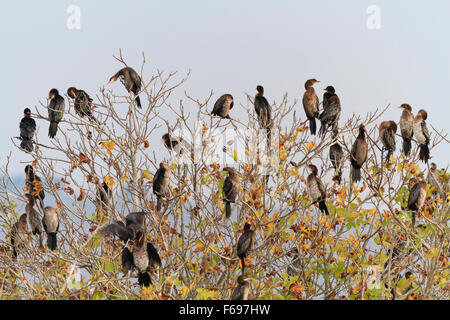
[
  {"x": 311, "y": 104},
  {"x": 27, "y": 130},
  {"x": 131, "y": 80},
  {"x": 406, "y": 127},
  {"x": 56, "y": 109}
]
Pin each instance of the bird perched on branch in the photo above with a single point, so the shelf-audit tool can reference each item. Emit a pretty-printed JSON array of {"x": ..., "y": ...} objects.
[
  {"x": 329, "y": 92},
  {"x": 262, "y": 109},
  {"x": 387, "y": 132},
  {"x": 161, "y": 183},
  {"x": 27, "y": 130},
  {"x": 51, "y": 226},
  {"x": 131, "y": 80},
  {"x": 242, "y": 289},
  {"x": 34, "y": 185},
  {"x": 295, "y": 266},
  {"x": 358, "y": 154},
  {"x": 416, "y": 197},
  {"x": 434, "y": 181},
  {"x": 245, "y": 244},
  {"x": 177, "y": 144},
  {"x": 223, "y": 106},
  {"x": 316, "y": 190},
  {"x": 34, "y": 218},
  {"x": 311, "y": 104},
  {"x": 331, "y": 113},
  {"x": 19, "y": 235},
  {"x": 103, "y": 199},
  {"x": 82, "y": 103},
  {"x": 144, "y": 258},
  {"x": 406, "y": 127},
  {"x": 337, "y": 161},
  {"x": 135, "y": 222},
  {"x": 422, "y": 134},
  {"x": 55, "y": 111},
  {"x": 230, "y": 189}
]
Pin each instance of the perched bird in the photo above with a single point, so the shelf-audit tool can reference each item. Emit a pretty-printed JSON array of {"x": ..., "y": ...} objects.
[
  {"x": 19, "y": 234},
  {"x": 82, "y": 103},
  {"x": 161, "y": 183},
  {"x": 34, "y": 218},
  {"x": 177, "y": 144},
  {"x": 131, "y": 80},
  {"x": 245, "y": 244},
  {"x": 27, "y": 130},
  {"x": 55, "y": 111},
  {"x": 416, "y": 197},
  {"x": 230, "y": 189},
  {"x": 262, "y": 109},
  {"x": 337, "y": 161},
  {"x": 144, "y": 258},
  {"x": 406, "y": 127},
  {"x": 51, "y": 226},
  {"x": 330, "y": 116},
  {"x": 103, "y": 199},
  {"x": 118, "y": 229},
  {"x": 422, "y": 134},
  {"x": 34, "y": 185},
  {"x": 311, "y": 104},
  {"x": 387, "y": 132},
  {"x": 329, "y": 92},
  {"x": 358, "y": 154},
  {"x": 223, "y": 106},
  {"x": 316, "y": 190},
  {"x": 242, "y": 289},
  {"x": 295, "y": 267},
  {"x": 434, "y": 181},
  {"x": 134, "y": 223}
]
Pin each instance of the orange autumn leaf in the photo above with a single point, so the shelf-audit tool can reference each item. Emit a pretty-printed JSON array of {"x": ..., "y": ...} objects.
[
  {"x": 69, "y": 190},
  {"x": 309, "y": 147},
  {"x": 84, "y": 159},
  {"x": 146, "y": 144},
  {"x": 34, "y": 163},
  {"x": 109, "y": 181},
  {"x": 81, "y": 196},
  {"x": 108, "y": 145},
  {"x": 65, "y": 181},
  {"x": 74, "y": 165}
]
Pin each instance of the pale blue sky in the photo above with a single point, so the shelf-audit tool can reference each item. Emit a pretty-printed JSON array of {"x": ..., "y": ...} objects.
[{"x": 231, "y": 46}]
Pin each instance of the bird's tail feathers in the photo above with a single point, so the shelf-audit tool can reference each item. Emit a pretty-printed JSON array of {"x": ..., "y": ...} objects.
[
  {"x": 52, "y": 129},
  {"x": 51, "y": 241}
]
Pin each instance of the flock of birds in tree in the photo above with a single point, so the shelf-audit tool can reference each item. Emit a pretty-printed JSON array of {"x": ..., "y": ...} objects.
[{"x": 143, "y": 256}]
